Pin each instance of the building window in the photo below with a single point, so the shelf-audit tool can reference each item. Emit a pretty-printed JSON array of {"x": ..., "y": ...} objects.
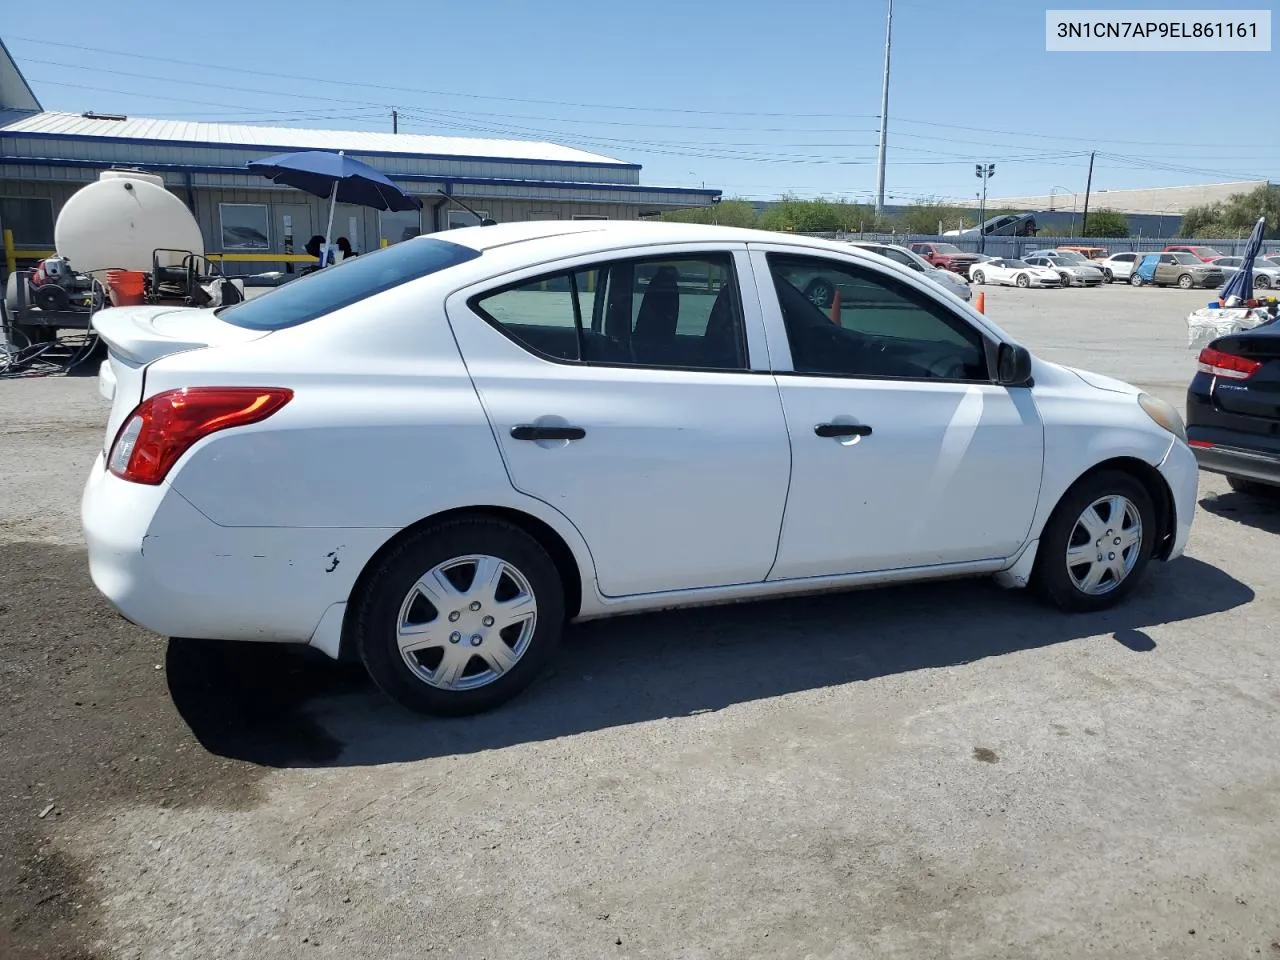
[
  {"x": 30, "y": 219},
  {"x": 464, "y": 218},
  {"x": 397, "y": 225},
  {"x": 588, "y": 216},
  {"x": 245, "y": 226}
]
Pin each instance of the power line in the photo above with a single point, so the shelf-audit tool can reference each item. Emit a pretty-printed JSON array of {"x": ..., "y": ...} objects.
[{"x": 438, "y": 93}]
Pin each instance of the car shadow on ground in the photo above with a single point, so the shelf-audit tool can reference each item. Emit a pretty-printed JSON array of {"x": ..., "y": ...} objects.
[
  {"x": 277, "y": 707},
  {"x": 1261, "y": 512}
]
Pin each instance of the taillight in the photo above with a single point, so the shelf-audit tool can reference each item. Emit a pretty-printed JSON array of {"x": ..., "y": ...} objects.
[
  {"x": 1227, "y": 364},
  {"x": 164, "y": 427}
]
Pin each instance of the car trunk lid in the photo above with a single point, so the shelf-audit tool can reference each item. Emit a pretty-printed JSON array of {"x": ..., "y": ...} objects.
[
  {"x": 138, "y": 336},
  {"x": 1256, "y": 399}
]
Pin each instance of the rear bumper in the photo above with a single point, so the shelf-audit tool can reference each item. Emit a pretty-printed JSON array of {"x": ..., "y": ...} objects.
[
  {"x": 164, "y": 565},
  {"x": 1238, "y": 462}
]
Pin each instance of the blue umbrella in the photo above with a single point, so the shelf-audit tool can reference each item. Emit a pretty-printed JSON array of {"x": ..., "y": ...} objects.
[
  {"x": 1241, "y": 285},
  {"x": 338, "y": 177}
]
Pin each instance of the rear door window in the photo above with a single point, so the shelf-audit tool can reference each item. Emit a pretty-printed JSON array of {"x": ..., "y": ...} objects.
[
  {"x": 671, "y": 312},
  {"x": 324, "y": 291}
]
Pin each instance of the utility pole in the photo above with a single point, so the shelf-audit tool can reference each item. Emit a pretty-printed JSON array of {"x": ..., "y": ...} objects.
[
  {"x": 1084, "y": 220},
  {"x": 984, "y": 171},
  {"x": 884, "y": 115},
  {"x": 395, "y": 121}
]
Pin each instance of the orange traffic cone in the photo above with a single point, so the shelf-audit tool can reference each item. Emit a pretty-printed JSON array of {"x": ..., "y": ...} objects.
[
  {"x": 835, "y": 309},
  {"x": 980, "y": 304}
]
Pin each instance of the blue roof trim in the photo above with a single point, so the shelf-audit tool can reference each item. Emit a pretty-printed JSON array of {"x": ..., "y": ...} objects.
[
  {"x": 281, "y": 148},
  {"x": 407, "y": 178}
]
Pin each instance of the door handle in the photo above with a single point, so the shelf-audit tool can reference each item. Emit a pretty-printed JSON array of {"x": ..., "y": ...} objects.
[
  {"x": 842, "y": 430},
  {"x": 528, "y": 432}
]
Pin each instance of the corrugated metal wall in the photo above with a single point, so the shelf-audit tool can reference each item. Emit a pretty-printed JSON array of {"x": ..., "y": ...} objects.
[{"x": 280, "y": 202}]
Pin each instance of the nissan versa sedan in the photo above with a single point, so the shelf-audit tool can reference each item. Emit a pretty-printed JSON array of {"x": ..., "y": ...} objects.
[{"x": 432, "y": 456}]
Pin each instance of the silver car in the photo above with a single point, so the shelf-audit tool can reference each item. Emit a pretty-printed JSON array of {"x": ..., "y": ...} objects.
[
  {"x": 948, "y": 279},
  {"x": 1266, "y": 271},
  {"x": 1075, "y": 269}
]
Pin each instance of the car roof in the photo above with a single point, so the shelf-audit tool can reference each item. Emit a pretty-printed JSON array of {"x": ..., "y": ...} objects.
[{"x": 620, "y": 233}]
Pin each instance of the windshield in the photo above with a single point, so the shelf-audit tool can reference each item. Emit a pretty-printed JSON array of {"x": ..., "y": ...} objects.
[
  {"x": 1070, "y": 256},
  {"x": 1186, "y": 258},
  {"x": 1207, "y": 251},
  {"x": 946, "y": 248},
  {"x": 333, "y": 288}
]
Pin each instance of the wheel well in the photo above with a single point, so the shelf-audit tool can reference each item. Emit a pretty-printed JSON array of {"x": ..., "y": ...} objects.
[
  {"x": 1161, "y": 496},
  {"x": 552, "y": 542}
]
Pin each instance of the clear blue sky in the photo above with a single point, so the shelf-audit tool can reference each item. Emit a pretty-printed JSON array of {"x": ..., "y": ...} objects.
[{"x": 752, "y": 97}]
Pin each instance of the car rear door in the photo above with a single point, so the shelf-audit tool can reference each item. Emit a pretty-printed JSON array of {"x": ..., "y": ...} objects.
[
  {"x": 904, "y": 451},
  {"x": 630, "y": 391}
]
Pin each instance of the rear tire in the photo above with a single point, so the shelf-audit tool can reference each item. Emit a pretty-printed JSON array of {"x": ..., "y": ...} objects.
[
  {"x": 1084, "y": 527},
  {"x": 1253, "y": 488},
  {"x": 1135, "y": 280},
  {"x": 461, "y": 646},
  {"x": 1023, "y": 280},
  {"x": 979, "y": 277}
]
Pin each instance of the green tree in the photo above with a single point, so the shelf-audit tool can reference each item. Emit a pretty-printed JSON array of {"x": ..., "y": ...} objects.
[
  {"x": 923, "y": 218},
  {"x": 1107, "y": 223},
  {"x": 1235, "y": 216},
  {"x": 734, "y": 212},
  {"x": 822, "y": 215}
]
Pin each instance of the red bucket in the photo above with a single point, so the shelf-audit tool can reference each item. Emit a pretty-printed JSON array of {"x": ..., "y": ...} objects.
[{"x": 126, "y": 287}]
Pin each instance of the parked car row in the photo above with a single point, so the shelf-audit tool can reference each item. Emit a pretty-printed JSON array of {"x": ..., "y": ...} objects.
[{"x": 1185, "y": 266}]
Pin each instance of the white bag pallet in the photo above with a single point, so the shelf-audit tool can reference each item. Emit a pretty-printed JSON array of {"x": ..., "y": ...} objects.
[{"x": 1205, "y": 324}]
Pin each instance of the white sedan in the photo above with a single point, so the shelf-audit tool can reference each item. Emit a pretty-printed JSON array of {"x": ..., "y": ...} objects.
[
  {"x": 432, "y": 456},
  {"x": 1014, "y": 273}
]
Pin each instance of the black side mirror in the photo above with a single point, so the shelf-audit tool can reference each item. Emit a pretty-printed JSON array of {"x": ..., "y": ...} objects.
[{"x": 1013, "y": 365}]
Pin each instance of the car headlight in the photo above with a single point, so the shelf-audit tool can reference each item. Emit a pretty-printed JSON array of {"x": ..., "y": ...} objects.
[{"x": 1163, "y": 414}]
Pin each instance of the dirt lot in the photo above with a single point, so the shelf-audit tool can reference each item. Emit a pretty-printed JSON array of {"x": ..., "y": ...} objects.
[{"x": 930, "y": 771}]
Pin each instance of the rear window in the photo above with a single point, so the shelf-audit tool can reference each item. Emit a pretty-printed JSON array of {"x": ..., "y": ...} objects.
[{"x": 333, "y": 288}]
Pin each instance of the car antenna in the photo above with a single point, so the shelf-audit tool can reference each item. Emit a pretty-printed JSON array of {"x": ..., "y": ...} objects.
[{"x": 484, "y": 221}]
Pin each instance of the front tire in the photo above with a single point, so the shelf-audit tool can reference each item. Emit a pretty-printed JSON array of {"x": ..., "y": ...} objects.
[
  {"x": 820, "y": 293},
  {"x": 1261, "y": 282},
  {"x": 1097, "y": 543},
  {"x": 460, "y": 616},
  {"x": 1108, "y": 276},
  {"x": 1186, "y": 281}
]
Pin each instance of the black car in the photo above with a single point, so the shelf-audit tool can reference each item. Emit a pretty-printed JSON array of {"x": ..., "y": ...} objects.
[{"x": 1233, "y": 409}]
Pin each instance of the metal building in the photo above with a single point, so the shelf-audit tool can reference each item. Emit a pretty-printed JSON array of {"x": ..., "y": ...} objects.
[{"x": 46, "y": 156}]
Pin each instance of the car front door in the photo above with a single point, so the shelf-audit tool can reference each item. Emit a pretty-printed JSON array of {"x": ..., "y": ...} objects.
[
  {"x": 1167, "y": 269},
  {"x": 905, "y": 452},
  {"x": 631, "y": 394}
]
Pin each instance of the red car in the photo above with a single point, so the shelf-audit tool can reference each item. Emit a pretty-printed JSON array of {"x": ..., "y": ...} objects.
[
  {"x": 947, "y": 256},
  {"x": 1204, "y": 253}
]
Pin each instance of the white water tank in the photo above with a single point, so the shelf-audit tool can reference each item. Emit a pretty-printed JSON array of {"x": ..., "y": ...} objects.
[{"x": 119, "y": 220}]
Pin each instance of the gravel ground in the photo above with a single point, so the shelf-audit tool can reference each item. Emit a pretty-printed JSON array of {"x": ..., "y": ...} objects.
[{"x": 945, "y": 770}]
